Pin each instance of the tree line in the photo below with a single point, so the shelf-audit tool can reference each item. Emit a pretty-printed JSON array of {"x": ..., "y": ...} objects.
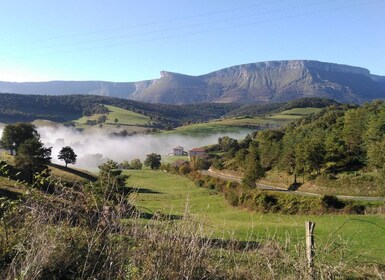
[
  {"x": 339, "y": 138},
  {"x": 26, "y": 108}
]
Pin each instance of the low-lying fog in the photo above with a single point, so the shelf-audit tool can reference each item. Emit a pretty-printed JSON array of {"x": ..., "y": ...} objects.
[{"x": 93, "y": 149}]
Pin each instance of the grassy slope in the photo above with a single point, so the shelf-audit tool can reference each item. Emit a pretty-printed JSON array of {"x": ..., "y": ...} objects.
[
  {"x": 357, "y": 183},
  {"x": 234, "y": 125},
  {"x": 127, "y": 120},
  {"x": 124, "y": 117},
  {"x": 364, "y": 239}
]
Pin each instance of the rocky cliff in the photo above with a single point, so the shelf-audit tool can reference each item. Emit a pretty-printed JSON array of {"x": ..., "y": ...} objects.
[{"x": 259, "y": 82}]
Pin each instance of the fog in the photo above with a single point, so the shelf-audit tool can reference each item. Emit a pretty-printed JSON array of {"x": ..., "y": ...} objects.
[{"x": 94, "y": 148}]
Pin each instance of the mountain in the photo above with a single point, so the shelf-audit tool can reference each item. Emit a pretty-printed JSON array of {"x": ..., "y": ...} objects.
[{"x": 261, "y": 82}]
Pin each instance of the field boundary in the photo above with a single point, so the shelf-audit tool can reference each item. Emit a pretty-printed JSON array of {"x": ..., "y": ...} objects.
[{"x": 266, "y": 187}]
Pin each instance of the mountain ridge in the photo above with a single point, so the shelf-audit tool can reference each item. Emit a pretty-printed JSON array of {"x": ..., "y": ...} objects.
[{"x": 259, "y": 82}]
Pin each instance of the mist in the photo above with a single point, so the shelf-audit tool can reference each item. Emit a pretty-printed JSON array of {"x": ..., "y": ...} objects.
[{"x": 95, "y": 148}]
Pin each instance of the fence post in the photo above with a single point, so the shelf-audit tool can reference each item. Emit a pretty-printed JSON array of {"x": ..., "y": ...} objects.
[{"x": 309, "y": 226}]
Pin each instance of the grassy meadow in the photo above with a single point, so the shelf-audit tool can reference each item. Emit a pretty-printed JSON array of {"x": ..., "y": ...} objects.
[
  {"x": 159, "y": 192},
  {"x": 242, "y": 124},
  {"x": 127, "y": 120}
]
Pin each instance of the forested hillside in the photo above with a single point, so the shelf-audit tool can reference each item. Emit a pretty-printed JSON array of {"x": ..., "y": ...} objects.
[
  {"x": 17, "y": 107},
  {"x": 339, "y": 139}
]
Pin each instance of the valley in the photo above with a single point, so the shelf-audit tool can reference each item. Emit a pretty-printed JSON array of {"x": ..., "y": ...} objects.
[{"x": 176, "y": 194}]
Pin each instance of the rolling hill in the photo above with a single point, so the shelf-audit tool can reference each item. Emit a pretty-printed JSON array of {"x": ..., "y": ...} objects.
[{"x": 262, "y": 82}]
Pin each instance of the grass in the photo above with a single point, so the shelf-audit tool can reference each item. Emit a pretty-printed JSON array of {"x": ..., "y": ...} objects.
[
  {"x": 356, "y": 183},
  {"x": 127, "y": 120},
  {"x": 71, "y": 174},
  {"x": 301, "y": 111},
  {"x": 125, "y": 117},
  {"x": 167, "y": 193},
  {"x": 204, "y": 129},
  {"x": 171, "y": 159},
  {"x": 242, "y": 124}
]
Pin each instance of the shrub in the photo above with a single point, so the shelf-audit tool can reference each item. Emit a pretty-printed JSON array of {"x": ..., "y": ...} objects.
[{"x": 331, "y": 202}]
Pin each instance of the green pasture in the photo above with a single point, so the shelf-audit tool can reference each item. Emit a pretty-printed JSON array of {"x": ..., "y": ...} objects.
[
  {"x": 301, "y": 111},
  {"x": 239, "y": 124},
  {"x": 362, "y": 236},
  {"x": 171, "y": 159},
  {"x": 295, "y": 113},
  {"x": 125, "y": 117},
  {"x": 203, "y": 129}
]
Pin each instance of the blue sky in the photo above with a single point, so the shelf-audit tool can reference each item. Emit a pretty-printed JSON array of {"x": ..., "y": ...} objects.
[{"x": 124, "y": 40}]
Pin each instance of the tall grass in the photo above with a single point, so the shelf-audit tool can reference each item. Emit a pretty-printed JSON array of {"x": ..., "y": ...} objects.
[{"x": 73, "y": 236}]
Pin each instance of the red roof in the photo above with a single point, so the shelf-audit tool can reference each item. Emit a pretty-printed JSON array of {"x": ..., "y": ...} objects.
[{"x": 197, "y": 150}]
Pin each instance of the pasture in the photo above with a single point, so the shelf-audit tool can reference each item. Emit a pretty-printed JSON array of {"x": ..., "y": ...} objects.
[
  {"x": 361, "y": 237},
  {"x": 244, "y": 124}
]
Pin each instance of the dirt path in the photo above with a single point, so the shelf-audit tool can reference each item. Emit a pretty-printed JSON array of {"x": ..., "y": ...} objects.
[{"x": 280, "y": 189}]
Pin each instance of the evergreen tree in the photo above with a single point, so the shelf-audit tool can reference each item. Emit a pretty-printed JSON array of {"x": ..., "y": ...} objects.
[
  {"x": 253, "y": 169},
  {"x": 32, "y": 157},
  {"x": 15, "y": 134}
]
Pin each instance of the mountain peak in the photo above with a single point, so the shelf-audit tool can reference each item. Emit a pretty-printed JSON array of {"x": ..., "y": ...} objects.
[{"x": 259, "y": 82}]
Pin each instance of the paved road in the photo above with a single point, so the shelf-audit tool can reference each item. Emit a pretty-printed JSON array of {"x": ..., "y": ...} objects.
[{"x": 279, "y": 189}]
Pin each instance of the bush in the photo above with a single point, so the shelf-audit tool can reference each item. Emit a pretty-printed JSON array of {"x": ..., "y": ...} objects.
[
  {"x": 331, "y": 202},
  {"x": 184, "y": 169}
]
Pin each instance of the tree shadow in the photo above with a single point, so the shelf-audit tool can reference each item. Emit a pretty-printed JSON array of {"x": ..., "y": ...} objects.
[
  {"x": 295, "y": 186},
  {"x": 79, "y": 173},
  {"x": 142, "y": 190},
  {"x": 159, "y": 216}
]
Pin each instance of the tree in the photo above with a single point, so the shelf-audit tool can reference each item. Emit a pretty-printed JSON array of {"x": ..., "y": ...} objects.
[
  {"x": 102, "y": 119},
  {"x": 15, "y": 134},
  {"x": 32, "y": 157},
  {"x": 116, "y": 121},
  {"x": 253, "y": 170},
  {"x": 153, "y": 161},
  {"x": 269, "y": 147},
  {"x": 68, "y": 155},
  {"x": 135, "y": 164},
  {"x": 111, "y": 183}
]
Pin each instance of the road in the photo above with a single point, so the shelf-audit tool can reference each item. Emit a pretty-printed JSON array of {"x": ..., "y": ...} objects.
[{"x": 279, "y": 189}]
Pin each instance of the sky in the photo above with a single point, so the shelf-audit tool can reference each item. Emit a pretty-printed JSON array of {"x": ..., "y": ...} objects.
[{"x": 126, "y": 40}]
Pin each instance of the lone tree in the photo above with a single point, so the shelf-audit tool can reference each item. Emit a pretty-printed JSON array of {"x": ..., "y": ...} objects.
[
  {"x": 153, "y": 161},
  {"x": 68, "y": 155}
]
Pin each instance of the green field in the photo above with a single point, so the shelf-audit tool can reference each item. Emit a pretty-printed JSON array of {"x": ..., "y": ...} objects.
[
  {"x": 243, "y": 124},
  {"x": 301, "y": 111},
  {"x": 363, "y": 236},
  {"x": 124, "y": 117},
  {"x": 171, "y": 159},
  {"x": 295, "y": 113},
  {"x": 127, "y": 120},
  {"x": 204, "y": 129}
]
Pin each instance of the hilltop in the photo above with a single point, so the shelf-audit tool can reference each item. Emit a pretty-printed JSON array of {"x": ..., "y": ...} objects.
[
  {"x": 27, "y": 108},
  {"x": 261, "y": 82}
]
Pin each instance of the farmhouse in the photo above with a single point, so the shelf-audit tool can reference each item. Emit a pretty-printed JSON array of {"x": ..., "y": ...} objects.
[
  {"x": 197, "y": 152},
  {"x": 178, "y": 151}
]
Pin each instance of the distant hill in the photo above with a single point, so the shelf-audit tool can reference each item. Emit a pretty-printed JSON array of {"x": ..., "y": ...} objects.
[
  {"x": 21, "y": 107},
  {"x": 262, "y": 82}
]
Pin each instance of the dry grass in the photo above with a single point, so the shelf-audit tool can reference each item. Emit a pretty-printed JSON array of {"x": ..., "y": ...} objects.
[{"x": 100, "y": 239}]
